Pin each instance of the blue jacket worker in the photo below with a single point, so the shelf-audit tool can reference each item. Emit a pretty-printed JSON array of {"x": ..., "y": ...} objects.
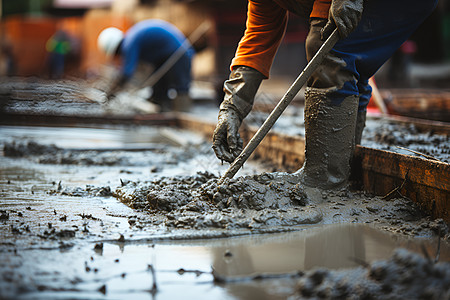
[{"x": 154, "y": 42}]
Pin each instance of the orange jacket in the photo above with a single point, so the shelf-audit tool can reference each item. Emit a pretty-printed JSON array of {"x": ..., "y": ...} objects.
[{"x": 266, "y": 25}]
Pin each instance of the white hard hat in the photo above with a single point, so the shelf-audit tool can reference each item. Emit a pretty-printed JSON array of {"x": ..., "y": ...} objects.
[{"x": 109, "y": 39}]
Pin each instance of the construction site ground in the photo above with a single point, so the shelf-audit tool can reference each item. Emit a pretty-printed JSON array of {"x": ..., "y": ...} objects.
[{"x": 114, "y": 210}]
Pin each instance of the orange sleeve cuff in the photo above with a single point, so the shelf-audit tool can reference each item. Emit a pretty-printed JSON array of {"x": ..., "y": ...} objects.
[
  {"x": 320, "y": 9},
  {"x": 266, "y": 23}
]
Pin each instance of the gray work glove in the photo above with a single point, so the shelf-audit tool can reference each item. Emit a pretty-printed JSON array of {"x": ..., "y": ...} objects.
[
  {"x": 240, "y": 90},
  {"x": 345, "y": 15}
]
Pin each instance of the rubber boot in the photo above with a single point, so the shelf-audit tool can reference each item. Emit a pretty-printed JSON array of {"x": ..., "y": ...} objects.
[
  {"x": 330, "y": 140},
  {"x": 360, "y": 124}
]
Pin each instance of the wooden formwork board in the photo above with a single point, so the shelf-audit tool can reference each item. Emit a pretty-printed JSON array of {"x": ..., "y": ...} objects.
[
  {"x": 417, "y": 103},
  {"x": 283, "y": 150},
  {"x": 426, "y": 182},
  {"x": 383, "y": 173}
]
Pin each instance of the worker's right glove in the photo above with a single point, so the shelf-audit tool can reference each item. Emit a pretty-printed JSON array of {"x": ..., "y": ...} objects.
[
  {"x": 240, "y": 90},
  {"x": 345, "y": 15},
  {"x": 116, "y": 85}
]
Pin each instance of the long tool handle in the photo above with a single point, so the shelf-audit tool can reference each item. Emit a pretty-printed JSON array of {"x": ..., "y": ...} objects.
[{"x": 281, "y": 106}]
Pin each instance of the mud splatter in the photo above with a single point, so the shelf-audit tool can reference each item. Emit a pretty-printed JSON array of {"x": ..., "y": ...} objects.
[
  {"x": 406, "y": 275},
  {"x": 88, "y": 190}
]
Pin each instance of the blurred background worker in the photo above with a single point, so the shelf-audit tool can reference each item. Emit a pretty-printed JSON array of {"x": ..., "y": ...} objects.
[
  {"x": 337, "y": 93},
  {"x": 154, "y": 42},
  {"x": 58, "y": 47}
]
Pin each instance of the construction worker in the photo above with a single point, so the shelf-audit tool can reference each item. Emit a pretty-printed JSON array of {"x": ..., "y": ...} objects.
[
  {"x": 337, "y": 93},
  {"x": 152, "y": 41},
  {"x": 58, "y": 46}
]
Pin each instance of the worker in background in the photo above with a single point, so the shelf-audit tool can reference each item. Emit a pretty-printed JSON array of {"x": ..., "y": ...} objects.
[
  {"x": 58, "y": 47},
  {"x": 152, "y": 41},
  {"x": 7, "y": 61},
  {"x": 337, "y": 93}
]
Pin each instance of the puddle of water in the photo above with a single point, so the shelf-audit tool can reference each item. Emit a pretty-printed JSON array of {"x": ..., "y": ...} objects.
[
  {"x": 331, "y": 247},
  {"x": 183, "y": 269}
]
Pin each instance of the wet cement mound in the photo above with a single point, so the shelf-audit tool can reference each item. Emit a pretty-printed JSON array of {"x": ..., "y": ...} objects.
[
  {"x": 406, "y": 275},
  {"x": 197, "y": 201},
  {"x": 271, "y": 202},
  {"x": 268, "y": 201}
]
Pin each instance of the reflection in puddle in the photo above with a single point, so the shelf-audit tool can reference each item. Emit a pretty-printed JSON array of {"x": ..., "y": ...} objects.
[
  {"x": 183, "y": 268},
  {"x": 332, "y": 247}
]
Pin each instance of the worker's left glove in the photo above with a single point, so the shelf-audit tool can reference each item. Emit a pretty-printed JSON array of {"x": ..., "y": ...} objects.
[
  {"x": 345, "y": 15},
  {"x": 240, "y": 90}
]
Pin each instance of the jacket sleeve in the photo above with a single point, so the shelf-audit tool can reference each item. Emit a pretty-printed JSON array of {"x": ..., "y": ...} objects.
[
  {"x": 320, "y": 9},
  {"x": 266, "y": 24}
]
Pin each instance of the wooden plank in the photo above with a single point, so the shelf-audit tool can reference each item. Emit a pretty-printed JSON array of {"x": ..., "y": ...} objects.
[
  {"x": 426, "y": 182},
  {"x": 417, "y": 103},
  {"x": 287, "y": 152}
]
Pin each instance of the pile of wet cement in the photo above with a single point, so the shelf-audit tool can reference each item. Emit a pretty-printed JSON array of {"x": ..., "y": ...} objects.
[
  {"x": 53, "y": 97},
  {"x": 268, "y": 201}
]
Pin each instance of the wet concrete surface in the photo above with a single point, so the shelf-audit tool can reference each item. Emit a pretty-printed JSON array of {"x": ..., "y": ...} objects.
[
  {"x": 153, "y": 225},
  {"x": 135, "y": 212}
]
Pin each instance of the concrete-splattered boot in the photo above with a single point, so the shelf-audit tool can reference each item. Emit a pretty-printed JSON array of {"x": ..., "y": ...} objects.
[{"x": 330, "y": 140}]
